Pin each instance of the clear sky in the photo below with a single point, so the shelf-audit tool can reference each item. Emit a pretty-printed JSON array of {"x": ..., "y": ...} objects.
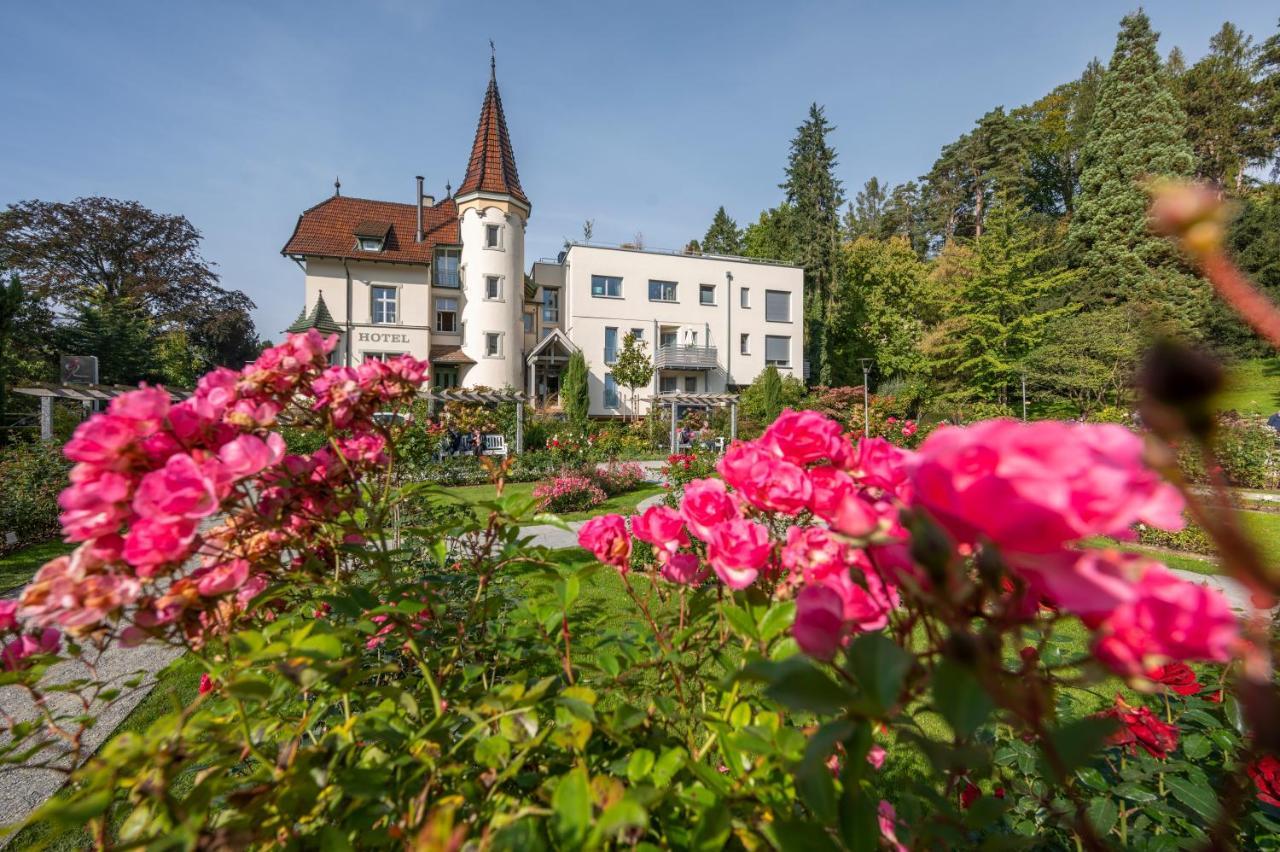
[{"x": 642, "y": 116}]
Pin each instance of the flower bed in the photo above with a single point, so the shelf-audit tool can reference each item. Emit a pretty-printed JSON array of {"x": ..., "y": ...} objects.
[{"x": 569, "y": 493}]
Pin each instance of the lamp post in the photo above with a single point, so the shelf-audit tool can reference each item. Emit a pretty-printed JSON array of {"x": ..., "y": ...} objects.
[
  {"x": 1024, "y": 397},
  {"x": 866, "y": 397}
]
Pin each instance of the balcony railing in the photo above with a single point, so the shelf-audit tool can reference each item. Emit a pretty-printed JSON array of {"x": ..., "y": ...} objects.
[{"x": 673, "y": 356}]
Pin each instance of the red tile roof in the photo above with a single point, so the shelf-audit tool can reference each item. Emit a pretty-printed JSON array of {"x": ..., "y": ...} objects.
[
  {"x": 446, "y": 354},
  {"x": 492, "y": 167},
  {"x": 329, "y": 229}
]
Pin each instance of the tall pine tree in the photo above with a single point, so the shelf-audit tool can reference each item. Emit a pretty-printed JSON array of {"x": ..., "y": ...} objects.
[
  {"x": 1004, "y": 306},
  {"x": 723, "y": 237},
  {"x": 815, "y": 196},
  {"x": 1138, "y": 132}
]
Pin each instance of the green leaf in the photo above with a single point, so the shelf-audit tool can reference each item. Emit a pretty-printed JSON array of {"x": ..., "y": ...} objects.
[
  {"x": 493, "y": 752},
  {"x": 567, "y": 590},
  {"x": 1103, "y": 813},
  {"x": 879, "y": 666},
  {"x": 741, "y": 621},
  {"x": 1196, "y": 746},
  {"x": 1090, "y": 777},
  {"x": 624, "y": 813},
  {"x": 713, "y": 829},
  {"x": 249, "y": 689},
  {"x": 814, "y": 782},
  {"x": 1075, "y": 744},
  {"x": 777, "y": 619},
  {"x": 667, "y": 766},
  {"x": 960, "y": 698},
  {"x": 1196, "y": 795},
  {"x": 798, "y": 684},
  {"x": 324, "y": 646},
  {"x": 571, "y": 808},
  {"x": 796, "y": 836},
  {"x": 640, "y": 765}
]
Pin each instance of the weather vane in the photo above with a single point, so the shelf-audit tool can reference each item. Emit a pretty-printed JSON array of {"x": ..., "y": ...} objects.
[{"x": 493, "y": 60}]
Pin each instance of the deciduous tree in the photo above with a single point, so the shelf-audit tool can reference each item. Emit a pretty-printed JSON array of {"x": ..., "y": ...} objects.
[{"x": 633, "y": 368}]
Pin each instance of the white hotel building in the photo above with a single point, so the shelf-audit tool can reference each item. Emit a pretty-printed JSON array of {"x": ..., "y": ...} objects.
[{"x": 445, "y": 280}]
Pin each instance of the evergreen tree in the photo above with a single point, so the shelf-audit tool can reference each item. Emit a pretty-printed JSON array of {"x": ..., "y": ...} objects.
[
  {"x": 633, "y": 368},
  {"x": 723, "y": 237},
  {"x": 1003, "y": 306},
  {"x": 120, "y": 333},
  {"x": 574, "y": 395},
  {"x": 1137, "y": 132},
  {"x": 865, "y": 217},
  {"x": 770, "y": 393},
  {"x": 10, "y": 306},
  {"x": 816, "y": 197},
  {"x": 1218, "y": 94},
  {"x": 1056, "y": 128},
  {"x": 1267, "y": 100},
  {"x": 904, "y": 217}
]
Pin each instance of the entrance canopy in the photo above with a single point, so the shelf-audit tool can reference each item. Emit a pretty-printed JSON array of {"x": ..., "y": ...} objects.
[{"x": 675, "y": 399}]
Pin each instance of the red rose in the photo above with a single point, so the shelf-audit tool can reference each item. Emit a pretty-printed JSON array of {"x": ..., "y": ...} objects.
[
  {"x": 969, "y": 795},
  {"x": 1266, "y": 777},
  {"x": 1142, "y": 728},
  {"x": 1177, "y": 676}
]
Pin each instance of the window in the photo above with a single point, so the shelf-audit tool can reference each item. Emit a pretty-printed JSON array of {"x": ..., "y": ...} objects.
[
  {"x": 667, "y": 384},
  {"x": 662, "y": 291},
  {"x": 744, "y": 297},
  {"x": 447, "y": 261},
  {"x": 384, "y": 305},
  {"x": 706, "y": 294},
  {"x": 610, "y": 345},
  {"x": 777, "y": 306},
  {"x": 744, "y": 344},
  {"x": 528, "y": 323},
  {"x": 369, "y": 243},
  {"x": 638, "y": 334},
  {"x": 610, "y": 391},
  {"x": 606, "y": 286},
  {"x": 492, "y": 287},
  {"x": 492, "y": 344},
  {"x": 551, "y": 306},
  {"x": 691, "y": 384},
  {"x": 380, "y": 356},
  {"x": 667, "y": 338},
  {"x": 691, "y": 338},
  {"x": 492, "y": 236},
  {"x": 777, "y": 350},
  {"x": 447, "y": 316}
]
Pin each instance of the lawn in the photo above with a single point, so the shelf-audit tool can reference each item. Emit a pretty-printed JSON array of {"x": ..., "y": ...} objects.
[
  {"x": 622, "y": 504},
  {"x": 1253, "y": 387},
  {"x": 17, "y": 568}
]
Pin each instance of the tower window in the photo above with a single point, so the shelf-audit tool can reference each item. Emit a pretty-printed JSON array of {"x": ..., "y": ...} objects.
[
  {"x": 492, "y": 344},
  {"x": 492, "y": 236},
  {"x": 492, "y": 287}
]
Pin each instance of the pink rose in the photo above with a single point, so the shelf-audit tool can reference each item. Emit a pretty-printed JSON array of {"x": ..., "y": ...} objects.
[
  {"x": 684, "y": 569},
  {"x": 830, "y": 486},
  {"x": 854, "y": 516},
  {"x": 606, "y": 537},
  {"x": 812, "y": 553},
  {"x": 876, "y": 755},
  {"x": 786, "y": 489},
  {"x": 153, "y": 542},
  {"x": 876, "y": 463},
  {"x": 8, "y": 614},
  {"x": 867, "y": 604},
  {"x": 180, "y": 489},
  {"x": 888, "y": 819},
  {"x": 101, "y": 440},
  {"x": 706, "y": 505},
  {"x": 746, "y": 468},
  {"x": 14, "y": 655},
  {"x": 803, "y": 437},
  {"x": 146, "y": 405},
  {"x": 1168, "y": 619},
  {"x": 819, "y": 628},
  {"x": 737, "y": 551},
  {"x": 249, "y": 454},
  {"x": 662, "y": 527},
  {"x": 206, "y": 684},
  {"x": 222, "y": 578}
]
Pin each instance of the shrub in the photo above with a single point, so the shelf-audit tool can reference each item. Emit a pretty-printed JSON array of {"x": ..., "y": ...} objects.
[
  {"x": 1191, "y": 538},
  {"x": 569, "y": 493},
  {"x": 1246, "y": 453},
  {"x": 619, "y": 478},
  {"x": 31, "y": 475}
]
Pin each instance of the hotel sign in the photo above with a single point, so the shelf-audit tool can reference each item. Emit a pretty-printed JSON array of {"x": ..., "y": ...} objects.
[{"x": 381, "y": 337}]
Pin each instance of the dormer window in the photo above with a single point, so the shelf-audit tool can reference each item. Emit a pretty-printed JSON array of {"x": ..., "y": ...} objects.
[{"x": 372, "y": 236}]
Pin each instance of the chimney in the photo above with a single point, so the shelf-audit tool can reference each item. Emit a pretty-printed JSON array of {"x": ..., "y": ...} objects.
[{"x": 418, "y": 237}]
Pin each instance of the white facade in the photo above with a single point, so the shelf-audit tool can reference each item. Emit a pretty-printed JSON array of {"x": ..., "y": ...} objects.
[
  {"x": 708, "y": 321},
  {"x": 492, "y": 274},
  {"x": 406, "y": 330}
]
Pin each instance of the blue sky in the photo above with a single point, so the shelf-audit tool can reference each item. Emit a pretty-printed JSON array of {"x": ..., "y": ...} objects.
[{"x": 642, "y": 116}]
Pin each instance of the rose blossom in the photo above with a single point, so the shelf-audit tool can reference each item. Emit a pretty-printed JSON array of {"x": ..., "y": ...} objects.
[
  {"x": 606, "y": 537},
  {"x": 819, "y": 627},
  {"x": 802, "y": 437},
  {"x": 249, "y": 454},
  {"x": 222, "y": 578},
  {"x": 1265, "y": 773},
  {"x": 1141, "y": 727},
  {"x": 888, "y": 820},
  {"x": 8, "y": 612},
  {"x": 706, "y": 505},
  {"x": 14, "y": 655},
  {"x": 155, "y": 542},
  {"x": 738, "y": 550},
  {"x": 1179, "y": 677},
  {"x": 662, "y": 527},
  {"x": 813, "y": 553},
  {"x": 180, "y": 489},
  {"x": 682, "y": 568}
]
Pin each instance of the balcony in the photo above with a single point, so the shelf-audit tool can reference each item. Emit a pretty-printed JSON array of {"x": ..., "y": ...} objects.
[{"x": 673, "y": 356}]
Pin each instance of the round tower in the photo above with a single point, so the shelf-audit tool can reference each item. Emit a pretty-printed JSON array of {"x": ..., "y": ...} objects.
[{"x": 493, "y": 210}]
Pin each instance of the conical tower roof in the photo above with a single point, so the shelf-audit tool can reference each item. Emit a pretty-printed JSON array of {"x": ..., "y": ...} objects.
[
  {"x": 492, "y": 167},
  {"x": 320, "y": 319}
]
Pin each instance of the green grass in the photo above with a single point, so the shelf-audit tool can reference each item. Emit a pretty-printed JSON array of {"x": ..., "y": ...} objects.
[
  {"x": 1253, "y": 387},
  {"x": 18, "y": 567},
  {"x": 622, "y": 503}
]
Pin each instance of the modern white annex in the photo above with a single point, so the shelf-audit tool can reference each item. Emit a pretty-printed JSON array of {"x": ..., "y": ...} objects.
[{"x": 445, "y": 280}]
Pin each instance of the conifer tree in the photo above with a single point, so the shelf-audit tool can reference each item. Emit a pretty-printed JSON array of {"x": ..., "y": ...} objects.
[
  {"x": 1004, "y": 305},
  {"x": 815, "y": 196},
  {"x": 1137, "y": 132},
  {"x": 865, "y": 216},
  {"x": 723, "y": 237},
  {"x": 10, "y": 305},
  {"x": 574, "y": 394}
]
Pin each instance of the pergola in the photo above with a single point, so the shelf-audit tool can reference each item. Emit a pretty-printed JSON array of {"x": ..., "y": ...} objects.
[
  {"x": 78, "y": 393},
  {"x": 485, "y": 397},
  {"x": 674, "y": 399}
]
